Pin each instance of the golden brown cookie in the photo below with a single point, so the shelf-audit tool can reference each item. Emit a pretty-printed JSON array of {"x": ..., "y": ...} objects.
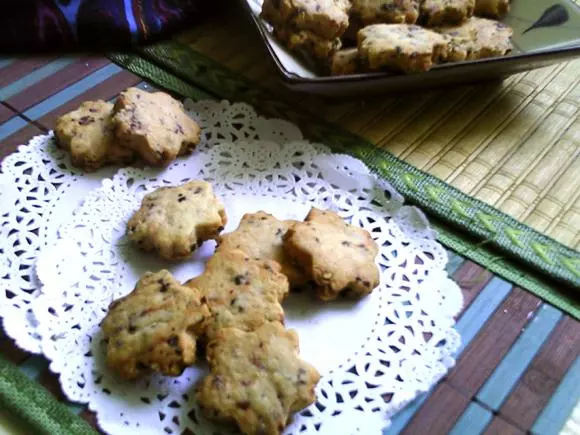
[
  {"x": 345, "y": 62},
  {"x": 260, "y": 235},
  {"x": 155, "y": 125},
  {"x": 386, "y": 11},
  {"x": 174, "y": 221},
  {"x": 327, "y": 19},
  {"x": 403, "y": 48},
  {"x": 339, "y": 257},
  {"x": 478, "y": 38},
  {"x": 240, "y": 291},
  {"x": 87, "y": 134},
  {"x": 492, "y": 8},
  {"x": 307, "y": 42},
  {"x": 446, "y": 12},
  {"x": 257, "y": 380},
  {"x": 154, "y": 328}
]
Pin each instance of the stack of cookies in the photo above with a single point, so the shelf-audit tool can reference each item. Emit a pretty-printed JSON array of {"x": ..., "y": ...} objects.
[
  {"x": 232, "y": 313},
  {"x": 148, "y": 127},
  {"x": 401, "y": 36},
  {"x": 311, "y": 26}
]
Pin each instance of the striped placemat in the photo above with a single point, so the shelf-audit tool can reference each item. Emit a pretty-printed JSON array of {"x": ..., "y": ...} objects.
[{"x": 517, "y": 372}]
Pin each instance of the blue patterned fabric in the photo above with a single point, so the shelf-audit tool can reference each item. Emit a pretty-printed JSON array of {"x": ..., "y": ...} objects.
[{"x": 46, "y": 25}]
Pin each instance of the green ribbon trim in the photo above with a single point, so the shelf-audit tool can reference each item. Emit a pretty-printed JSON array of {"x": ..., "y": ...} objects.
[
  {"x": 33, "y": 406},
  {"x": 435, "y": 196},
  {"x": 473, "y": 228}
]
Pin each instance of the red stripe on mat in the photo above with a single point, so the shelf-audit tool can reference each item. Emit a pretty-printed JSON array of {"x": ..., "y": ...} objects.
[
  {"x": 6, "y": 114},
  {"x": 544, "y": 374},
  {"x": 20, "y": 68},
  {"x": 499, "y": 426},
  {"x": 55, "y": 83},
  {"x": 91, "y": 418},
  {"x": 493, "y": 341},
  {"x": 480, "y": 358},
  {"x": 472, "y": 279},
  {"x": 104, "y": 90},
  {"x": 439, "y": 419},
  {"x": 22, "y": 136},
  {"x": 12, "y": 352},
  {"x": 50, "y": 381}
]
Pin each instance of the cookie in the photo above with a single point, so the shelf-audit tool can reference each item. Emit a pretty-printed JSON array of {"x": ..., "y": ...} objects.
[
  {"x": 260, "y": 235},
  {"x": 307, "y": 42},
  {"x": 327, "y": 19},
  {"x": 446, "y": 12},
  {"x": 257, "y": 379},
  {"x": 154, "y": 328},
  {"x": 240, "y": 291},
  {"x": 460, "y": 40},
  {"x": 339, "y": 257},
  {"x": 386, "y": 11},
  {"x": 174, "y": 221},
  {"x": 344, "y": 62},
  {"x": 478, "y": 38},
  {"x": 155, "y": 125},
  {"x": 87, "y": 134},
  {"x": 403, "y": 48},
  {"x": 492, "y": 8}
]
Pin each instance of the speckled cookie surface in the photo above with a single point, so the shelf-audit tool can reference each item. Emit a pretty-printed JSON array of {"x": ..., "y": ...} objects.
[
  {"x": 174, "y": 221},
  {"x": 155, "y": 125},
  {"x": 400, "y": 47},
  {"x": 87, "y": 134},
  {"x": 326, "y": 18},
  {"x": 257, "y": 379},
  {"x": 154, "y": 328},
  {"x": 240, "y": 291},
  {"x": 492, "y": 8},
  {"x": 386, "y": 11},
  {"x": 478, "y": 38},
  {"x": 339, "y": 257},
  {"x": 446, "y": 12},
  {"x": 305, "y": 41},
  {"x": 345, "y": 62},
  {"x": 260, "y": 235}
]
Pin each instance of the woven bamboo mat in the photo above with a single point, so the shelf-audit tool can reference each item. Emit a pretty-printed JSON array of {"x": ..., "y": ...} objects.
[{"x": 515, "y": 146}]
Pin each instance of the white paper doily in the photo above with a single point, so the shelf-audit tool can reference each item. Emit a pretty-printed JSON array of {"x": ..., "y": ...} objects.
[
  {"x": 375, "y": 355},
  {"x": 39, "y": 188}
]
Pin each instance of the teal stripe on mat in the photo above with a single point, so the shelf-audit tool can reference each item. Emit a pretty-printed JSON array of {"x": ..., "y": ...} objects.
[
  {"x": 5, "y": 62},
  {"x": 468, "y": 326},
  {"x": 34, "y": 77},
  {"x": 72, "y": 91},
  {"x": 473, "y": 421},
  {"x": 11, "y": 127},
  {"x": 563, "y": 401},
  {"x": 506, "y": 375}
]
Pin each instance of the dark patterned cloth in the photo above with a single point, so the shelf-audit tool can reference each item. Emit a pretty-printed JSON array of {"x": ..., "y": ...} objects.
[{"x": 54, "y": 25}]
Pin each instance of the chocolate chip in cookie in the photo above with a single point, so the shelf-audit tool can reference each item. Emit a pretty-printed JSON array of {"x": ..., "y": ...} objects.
[
  {"x": 403, "y": 48},
  {"x": 257, "y": 380},
  {"x": 155, "y": 125},
  {"x": 260, "y": 235},
  {"x": 241, "y": 291},
  {"x": 87, "y": 134},
  {"x": 339, "y": 257},
  {"x": 175, "y": 221},
  {"x": 154, "y": 328}
]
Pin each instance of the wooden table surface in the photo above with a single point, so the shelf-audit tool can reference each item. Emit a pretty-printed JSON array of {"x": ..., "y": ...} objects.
[{"x": 518, "y": 370}]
